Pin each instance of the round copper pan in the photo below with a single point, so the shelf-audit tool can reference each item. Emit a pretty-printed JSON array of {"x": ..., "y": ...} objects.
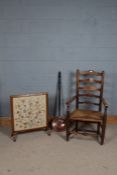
[{"x": 59, "y": 124}]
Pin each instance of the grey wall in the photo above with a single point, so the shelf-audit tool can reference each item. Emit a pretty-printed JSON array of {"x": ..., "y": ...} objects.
[{"x": 38, "y": 38}]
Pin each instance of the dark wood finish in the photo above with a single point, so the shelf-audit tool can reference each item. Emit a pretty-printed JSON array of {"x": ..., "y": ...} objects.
[{"x": 89, "y": 96}]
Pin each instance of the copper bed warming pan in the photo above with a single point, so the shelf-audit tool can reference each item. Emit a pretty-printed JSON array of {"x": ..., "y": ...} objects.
[{"x": 59, "y": 123}]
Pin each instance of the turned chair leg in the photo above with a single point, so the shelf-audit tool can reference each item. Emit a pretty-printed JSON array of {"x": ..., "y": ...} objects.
[
  {"x": 103, "y": 134},
  {"x": 76, "y": 126},
  {"x": 98, "y": 128},
  {"x": 67, "y": 130},
  {"x": 67, "y": 137},
  {"x": 67, "y": 133}
]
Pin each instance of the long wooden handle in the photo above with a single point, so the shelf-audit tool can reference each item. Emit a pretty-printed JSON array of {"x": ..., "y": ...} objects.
[{"x": 59, "y": 93}]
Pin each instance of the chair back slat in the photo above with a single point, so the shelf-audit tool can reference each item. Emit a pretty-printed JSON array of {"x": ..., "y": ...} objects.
[
  {"x": 90, "y": 80},
  {"x": 91, "y": 72},
  {"x": 88, "y": 102},
  {"x": 89, "y": 88},
  {"x": 89, "y": 95}
]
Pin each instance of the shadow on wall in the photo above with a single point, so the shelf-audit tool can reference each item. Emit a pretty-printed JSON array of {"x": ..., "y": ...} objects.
[
  {"x": 5, "y": 108},
  {"x": 110, "y": 92},
  {"x": 71, "y": 85}
]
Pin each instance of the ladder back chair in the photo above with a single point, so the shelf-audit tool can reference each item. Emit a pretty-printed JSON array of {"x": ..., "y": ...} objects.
[{"x": 90, "y": 106}]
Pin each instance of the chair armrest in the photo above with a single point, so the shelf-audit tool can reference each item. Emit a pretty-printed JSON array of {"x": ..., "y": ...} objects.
[
  {"x": 104, "y": 103},
  {"x": 70, "y": 100}
]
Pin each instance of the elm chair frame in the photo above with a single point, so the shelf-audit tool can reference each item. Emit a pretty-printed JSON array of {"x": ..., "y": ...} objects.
[{"x": 90, "y": 106}]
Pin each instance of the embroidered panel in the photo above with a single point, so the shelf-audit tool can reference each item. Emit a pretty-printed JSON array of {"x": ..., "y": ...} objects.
[{"x": 29, "y": 112}]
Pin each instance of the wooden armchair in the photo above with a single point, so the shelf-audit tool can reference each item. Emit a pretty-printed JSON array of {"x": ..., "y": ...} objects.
[{"x": 90, "y": 107}]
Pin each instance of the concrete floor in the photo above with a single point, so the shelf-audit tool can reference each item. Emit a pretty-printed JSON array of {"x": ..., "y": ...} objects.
[{"x": 36, "y": 153}]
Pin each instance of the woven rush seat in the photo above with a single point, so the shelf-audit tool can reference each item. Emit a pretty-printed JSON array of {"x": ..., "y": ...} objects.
[{"x": 86, "y": 115}]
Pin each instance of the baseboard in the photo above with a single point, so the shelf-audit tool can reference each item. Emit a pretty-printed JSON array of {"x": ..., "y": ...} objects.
[
  {"x": 6, "y": 121},
  {"x": 112, "y": 119}
]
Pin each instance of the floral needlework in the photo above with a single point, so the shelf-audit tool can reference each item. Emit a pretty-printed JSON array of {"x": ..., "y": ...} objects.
[{"x": 29, "y": 112}]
